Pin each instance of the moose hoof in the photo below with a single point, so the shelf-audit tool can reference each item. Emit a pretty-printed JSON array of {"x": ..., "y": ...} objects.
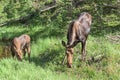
[{"x": 69, "y": 65}]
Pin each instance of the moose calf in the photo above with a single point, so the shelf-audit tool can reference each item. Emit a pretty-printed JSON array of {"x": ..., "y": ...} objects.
[
  {"x": 21, "y": 45},
  {"x": 77, "y": 32}
]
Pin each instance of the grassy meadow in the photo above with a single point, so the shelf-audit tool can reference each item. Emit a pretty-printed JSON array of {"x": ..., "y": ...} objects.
[{"x": 47, "y": 54}]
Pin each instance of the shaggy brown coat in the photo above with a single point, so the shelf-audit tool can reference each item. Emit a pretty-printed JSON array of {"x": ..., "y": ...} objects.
[{"x": 21, "y": 45}]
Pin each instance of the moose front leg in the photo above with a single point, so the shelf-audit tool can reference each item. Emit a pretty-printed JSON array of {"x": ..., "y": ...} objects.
[
  {"x": 13, "y": 52},
  {"x": 28, "y": 50},
  {"x": 83, "y": 50},
  {"x": 24, "y": 52},
  {"x": 19, "y": 54},
  {"x": 64, "y": 59}
]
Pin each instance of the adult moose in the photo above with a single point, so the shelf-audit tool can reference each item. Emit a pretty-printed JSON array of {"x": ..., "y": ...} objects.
[
  {"x": 77, "y": 32},
  {"x": 21, "y": 45}
]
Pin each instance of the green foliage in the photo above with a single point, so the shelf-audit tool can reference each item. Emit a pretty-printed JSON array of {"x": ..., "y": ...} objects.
[
  {"x": 15, "y": 9},
  {"x": 103, "y": 12},
  {"x": 14, "y": 70}
]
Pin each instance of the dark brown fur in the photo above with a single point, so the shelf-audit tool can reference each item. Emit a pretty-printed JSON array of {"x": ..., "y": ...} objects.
[
  {"x": 77, "y": 32},
  {"x": 21, "y": 45}
]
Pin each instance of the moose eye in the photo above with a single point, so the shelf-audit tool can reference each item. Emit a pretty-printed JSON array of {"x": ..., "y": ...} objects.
[{"x": 69, "y": 51}]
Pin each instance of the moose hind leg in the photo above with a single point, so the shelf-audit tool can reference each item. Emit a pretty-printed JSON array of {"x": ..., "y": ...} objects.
[
  {"x": 83, "y": 50},
  {"x": 28, "y": 50}
]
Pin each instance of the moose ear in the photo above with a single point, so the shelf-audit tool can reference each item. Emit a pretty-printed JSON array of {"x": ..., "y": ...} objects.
[{"x": 64, "y": 44}]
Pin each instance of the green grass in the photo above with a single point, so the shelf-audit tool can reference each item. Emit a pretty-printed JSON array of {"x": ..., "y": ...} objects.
[
  {"x": 47, "y": 54},
  {"x": 13, "y": 70}
]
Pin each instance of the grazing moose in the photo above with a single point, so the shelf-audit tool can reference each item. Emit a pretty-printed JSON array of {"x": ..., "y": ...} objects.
[
  {"x": 21, "y": 45},
  {"x": 77, "y": 32}
]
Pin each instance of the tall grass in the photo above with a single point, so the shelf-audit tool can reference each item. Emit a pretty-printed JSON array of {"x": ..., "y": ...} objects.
[{"x": 47, "y": 54}]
